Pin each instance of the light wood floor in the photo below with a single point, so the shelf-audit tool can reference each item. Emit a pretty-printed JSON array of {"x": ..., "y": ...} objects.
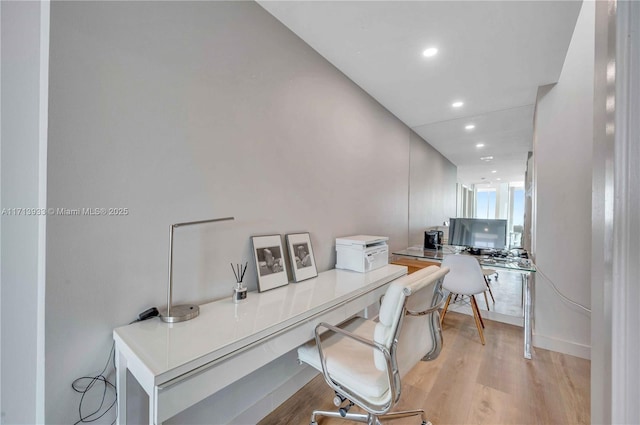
[{"x": 474, "y": 384}]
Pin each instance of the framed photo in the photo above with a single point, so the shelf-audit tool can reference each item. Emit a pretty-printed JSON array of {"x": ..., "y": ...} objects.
[
  {"x": 303, "y": 264},
  {"x": 270, "y": 265}
]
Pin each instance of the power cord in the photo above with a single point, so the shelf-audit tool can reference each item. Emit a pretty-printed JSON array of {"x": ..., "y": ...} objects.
[
  {"x": 85, "y": 384},
  {"x": 557, "y": 291},
  {"x": 78, "y": 387}
]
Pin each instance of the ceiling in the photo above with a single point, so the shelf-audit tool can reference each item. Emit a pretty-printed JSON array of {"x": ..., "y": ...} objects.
[{"x": 492, "y": 55}]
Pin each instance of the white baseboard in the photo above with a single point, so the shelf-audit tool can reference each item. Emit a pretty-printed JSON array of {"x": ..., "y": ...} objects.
[
  {"x": 540, "y": 341},
  {"x": 261, "y": 408},
  {"x": 562, "y": 346}
]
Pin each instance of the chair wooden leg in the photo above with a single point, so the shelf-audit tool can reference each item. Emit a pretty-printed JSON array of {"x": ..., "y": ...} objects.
[
  {"x": 476, "y": 315},
  {"x": 486, "y": 300},
  {"x": 473, "y": 300},
  {"x": 475, "y": 318},
  {"x": 444, "y": 309}
]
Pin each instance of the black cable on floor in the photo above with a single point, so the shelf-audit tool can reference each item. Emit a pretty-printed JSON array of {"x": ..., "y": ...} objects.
[{"x": 85, "y": 384}]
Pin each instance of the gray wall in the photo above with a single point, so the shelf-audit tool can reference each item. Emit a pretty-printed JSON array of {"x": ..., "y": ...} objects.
[
  {"x": 431, "y": 199},
  {"x": 563, "y": 175},
  {"x": 186, "y": 111}
]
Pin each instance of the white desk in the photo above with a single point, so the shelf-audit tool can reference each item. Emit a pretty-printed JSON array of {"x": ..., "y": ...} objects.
[{"x": 181, "y": 364}]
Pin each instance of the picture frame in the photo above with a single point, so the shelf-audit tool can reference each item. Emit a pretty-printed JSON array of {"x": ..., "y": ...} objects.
[
  {"x": 270, "y": 263},
  {"x": 303, "y": 262}
]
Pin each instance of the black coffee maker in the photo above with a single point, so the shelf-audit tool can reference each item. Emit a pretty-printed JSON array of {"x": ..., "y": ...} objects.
[{"x": 432, "y": 239}]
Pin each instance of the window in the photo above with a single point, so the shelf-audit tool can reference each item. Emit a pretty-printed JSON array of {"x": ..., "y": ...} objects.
[
  {"x": 516, "y": 214},
  {"x": 485, "y": 203},
  {"x": 464, "y": 203},
  {"x": 506, "y": 201}
]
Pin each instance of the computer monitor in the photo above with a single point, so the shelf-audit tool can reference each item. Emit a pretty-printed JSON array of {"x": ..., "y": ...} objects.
[{"x": 478, "y": 233}]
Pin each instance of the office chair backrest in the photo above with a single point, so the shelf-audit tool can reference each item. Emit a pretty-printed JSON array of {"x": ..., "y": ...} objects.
[
  {"x": 419, "y": 335},
  {"x": 465, "y": 276}
]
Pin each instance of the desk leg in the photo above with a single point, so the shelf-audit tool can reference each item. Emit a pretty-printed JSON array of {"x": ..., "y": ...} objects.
[
  {"x": 527, "y": 315},
  {"x": 121, "y": 387},
  {"x": 152, "y": 405}
]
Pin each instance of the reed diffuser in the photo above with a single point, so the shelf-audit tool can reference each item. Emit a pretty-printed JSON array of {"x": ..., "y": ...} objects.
[{"x": 239, "y": 290}]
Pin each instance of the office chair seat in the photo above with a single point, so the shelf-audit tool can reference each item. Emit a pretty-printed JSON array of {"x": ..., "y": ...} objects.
[
  {"x": 347, "y": 359},
  {"x": 363, "y": 360}
]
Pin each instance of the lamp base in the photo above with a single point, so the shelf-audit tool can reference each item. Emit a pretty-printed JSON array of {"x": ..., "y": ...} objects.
[{"x": 180, "y": 313}]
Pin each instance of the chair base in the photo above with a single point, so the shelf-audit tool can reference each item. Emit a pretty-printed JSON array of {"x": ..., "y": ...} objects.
[{"x": 369, "y": 418}]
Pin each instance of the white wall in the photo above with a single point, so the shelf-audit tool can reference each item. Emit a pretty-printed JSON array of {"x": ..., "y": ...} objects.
[
  {"x": 602, "y": 224},
  {"x": 615, "y": 365},
  {"x": 563, "y": 146},
  {"x": 22, "y": 156},
  {"x": 183, "y": 111}
]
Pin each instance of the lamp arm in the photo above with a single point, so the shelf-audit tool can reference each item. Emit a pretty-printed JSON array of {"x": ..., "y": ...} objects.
[{"x": 168, "y": 317}]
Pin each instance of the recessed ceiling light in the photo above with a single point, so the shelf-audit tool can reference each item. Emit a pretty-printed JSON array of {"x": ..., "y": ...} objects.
[
  {"x": 431, "y": 51},
  {"x": 486, "y": 158},
  {"x": 457, "y": 104},
  {"x": 498, "y": 179},
  {"x": 494, "y": 171},
  {"x": 480, "y": 145},
  {"x": 469, "y": 126}
]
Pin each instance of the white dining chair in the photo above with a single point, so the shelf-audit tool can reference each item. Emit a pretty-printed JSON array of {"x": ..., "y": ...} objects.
[{"x": 464, "y": 278}]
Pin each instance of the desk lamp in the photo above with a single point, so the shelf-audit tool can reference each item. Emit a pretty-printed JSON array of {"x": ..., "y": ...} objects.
[{"x": 181, "y": 313}]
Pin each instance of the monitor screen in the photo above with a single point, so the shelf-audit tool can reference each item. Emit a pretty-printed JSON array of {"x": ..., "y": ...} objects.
[{"x": 478, "y": 233}]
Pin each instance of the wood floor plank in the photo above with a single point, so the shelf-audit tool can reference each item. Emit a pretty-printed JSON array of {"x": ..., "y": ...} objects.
[
  {"x": 571, "y": 377},
  {"x": 297, "y": 409},
  {"x": 488, "y": 406},
  {"x": 473, "y": 384},
  {"x": 543, "y": 381},
  {"x": 458, "y": 373}
]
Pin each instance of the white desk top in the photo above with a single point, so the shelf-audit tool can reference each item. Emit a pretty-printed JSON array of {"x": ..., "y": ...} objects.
[{"x": 170, "y": 349}]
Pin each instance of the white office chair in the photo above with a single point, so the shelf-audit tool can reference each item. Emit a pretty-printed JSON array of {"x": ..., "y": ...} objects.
[
  {"x": 465, "y": 278},
  {"x": 363, "y": 360}
]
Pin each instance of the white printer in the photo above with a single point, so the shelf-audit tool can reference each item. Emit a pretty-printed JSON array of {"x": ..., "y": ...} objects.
[{"x": 362, "y": 253}]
